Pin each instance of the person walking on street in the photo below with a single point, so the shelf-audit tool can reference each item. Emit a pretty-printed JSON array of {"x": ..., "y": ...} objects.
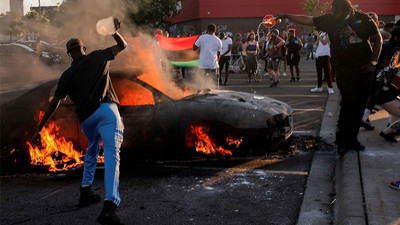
[
  {"x": 274, "y": 52},
  {"x": 237, "y": 51},
  {"x": 354, "y": 61},
  {"x": 225, "y": 56},
  {"x": 293, "y": 45},
  {"x": 252, "y": 49},
  {"x": 310, "y": 46},
  {"x": 210, "y": 47},
  {"x": 322, "y": 61},
  {"x": 88, "y": 84},
  {"x": 283, "y": 52}
]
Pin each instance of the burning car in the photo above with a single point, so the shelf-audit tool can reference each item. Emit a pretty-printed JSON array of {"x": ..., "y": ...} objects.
[
  {"x": 153, "y": 118},
  {"x": 156, "y": 112}
]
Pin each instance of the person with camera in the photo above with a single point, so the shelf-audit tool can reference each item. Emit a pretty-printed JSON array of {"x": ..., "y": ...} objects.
[{"x": 274, "y": 52}]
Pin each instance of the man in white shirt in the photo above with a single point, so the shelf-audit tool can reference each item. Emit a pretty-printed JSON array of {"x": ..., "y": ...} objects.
[
  {"x": 210, "y": 47},
  {"x": 225, "y": 56},
  {"x": 322, "y": 62}
]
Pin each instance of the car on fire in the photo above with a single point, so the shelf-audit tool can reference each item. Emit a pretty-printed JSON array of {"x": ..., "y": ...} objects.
[{"x": 154, "y": 118}]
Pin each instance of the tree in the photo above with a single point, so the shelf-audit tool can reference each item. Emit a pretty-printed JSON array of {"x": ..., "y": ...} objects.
[
  {"x": 313, "y": 8},
  {"x": 152, "y": 13},
  {"x": 12, "y": 24},
  {"x": 37, "y": 22}
]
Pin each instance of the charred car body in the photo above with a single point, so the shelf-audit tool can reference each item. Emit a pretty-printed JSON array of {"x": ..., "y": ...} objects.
[{"x": 158, "y": 121}]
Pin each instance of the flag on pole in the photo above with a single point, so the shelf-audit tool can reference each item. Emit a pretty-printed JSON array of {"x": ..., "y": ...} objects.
[{"x": 179, "y": 50}]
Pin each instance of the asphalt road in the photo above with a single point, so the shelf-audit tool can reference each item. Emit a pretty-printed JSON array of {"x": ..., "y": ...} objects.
[{"x": 159, "y": 188}]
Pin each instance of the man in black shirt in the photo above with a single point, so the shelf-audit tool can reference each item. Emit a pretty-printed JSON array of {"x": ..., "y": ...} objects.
[
  {"x": 87, "y": 83},
  {"x": 349, "y": 31}
]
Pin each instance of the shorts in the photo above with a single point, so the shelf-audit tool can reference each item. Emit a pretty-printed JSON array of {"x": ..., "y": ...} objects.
[
  {"x": 386, "y": 96},
  {"x": 209, "y": 72},
  {"x": 273, "y": 64},
  {"x": 224, "y": 61},
  {"x": 293, "y": 59}
]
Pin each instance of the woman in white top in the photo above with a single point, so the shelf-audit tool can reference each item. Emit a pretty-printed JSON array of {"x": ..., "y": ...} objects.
[{"x": 322, "y": 62}]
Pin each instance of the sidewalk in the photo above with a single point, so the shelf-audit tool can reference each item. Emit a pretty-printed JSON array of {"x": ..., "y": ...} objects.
[{"x": 361, "y": 179}]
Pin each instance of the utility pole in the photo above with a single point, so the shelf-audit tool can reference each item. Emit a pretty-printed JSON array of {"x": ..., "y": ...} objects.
[{"x": 40, "y": 9}]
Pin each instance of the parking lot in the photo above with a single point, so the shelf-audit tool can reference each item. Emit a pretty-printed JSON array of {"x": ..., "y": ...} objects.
[{"x": 161, "y": 188}]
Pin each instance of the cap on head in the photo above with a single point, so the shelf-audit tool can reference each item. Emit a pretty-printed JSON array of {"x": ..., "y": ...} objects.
[
  {"x": 74, "y": 43},
  {"x": 275, "y": 31}
]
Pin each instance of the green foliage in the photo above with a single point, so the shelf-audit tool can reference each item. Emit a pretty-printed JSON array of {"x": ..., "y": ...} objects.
[
  {"x": 12, "y": 24},
  {"x": 313, "y": 8},
  {"x": 152, "y": 13}
]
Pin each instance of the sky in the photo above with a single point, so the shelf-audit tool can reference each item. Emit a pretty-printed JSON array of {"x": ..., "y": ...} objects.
[{"x": 5, "y": 4}]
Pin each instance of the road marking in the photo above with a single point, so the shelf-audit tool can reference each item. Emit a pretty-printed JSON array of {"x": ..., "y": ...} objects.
[
  {"x": 304, "y": 132},
  {"x": 311, "y": 110}
]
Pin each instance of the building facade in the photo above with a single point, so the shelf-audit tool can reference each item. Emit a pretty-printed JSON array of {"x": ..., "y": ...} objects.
[
  {"x": 238, "y": 16},
  {"x": 17, "y": 6}
]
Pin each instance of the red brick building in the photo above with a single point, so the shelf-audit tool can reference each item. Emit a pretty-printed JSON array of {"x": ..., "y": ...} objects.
[{"x": 240, "y": 16}]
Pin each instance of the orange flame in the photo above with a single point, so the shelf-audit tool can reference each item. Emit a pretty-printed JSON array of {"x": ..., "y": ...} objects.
[
  {"x": 56, "y": 153},
  {"x": 199, "y": 138},
  {"x": 156, "y": 71},
  {"x": 232, "y": 141}
]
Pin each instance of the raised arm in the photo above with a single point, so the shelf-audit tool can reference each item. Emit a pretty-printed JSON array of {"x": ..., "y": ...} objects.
[
  {"x": 121, "y": 43},
  {"x": 300, "y": 19}
]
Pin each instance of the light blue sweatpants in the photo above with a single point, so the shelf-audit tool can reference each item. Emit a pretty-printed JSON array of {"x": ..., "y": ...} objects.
[{"x": 104, "y": 124}]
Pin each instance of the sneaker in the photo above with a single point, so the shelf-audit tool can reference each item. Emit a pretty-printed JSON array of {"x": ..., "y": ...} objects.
[
  {"x": 330, "y": 91},
  {"x": 342, "y": 149},
  {"x": 87, "y": 197},
  {"x": 109, "y": 214},
  {"x": 292, "y": 79},
  {"x": 388, "y": 137},
  {"x": 298, "y": 79},
  {"x": 356, "y": 146},
  {"x": 274, "y": 84},
  {"x": 266, "y": 74},
  {"x": 367, "y": 124},
  {"x": 283, "y": 74},
  {"x": 395, "y": 185},
  {"x": 316, "y": 89}
]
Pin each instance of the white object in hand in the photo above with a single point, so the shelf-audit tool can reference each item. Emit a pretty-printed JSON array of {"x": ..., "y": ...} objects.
[{"x": 106, "y": 26}]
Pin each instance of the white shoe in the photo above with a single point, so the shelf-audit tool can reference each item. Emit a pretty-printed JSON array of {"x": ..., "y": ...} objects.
[
  {"x": 316, "y": 89},
  {"x": 283, "y": 74},
  {"x": 330, "y": 91},
  {"x": 265, "y": 74}
]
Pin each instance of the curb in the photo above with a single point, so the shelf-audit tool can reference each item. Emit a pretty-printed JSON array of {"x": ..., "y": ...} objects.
[{"x": 316, "y": 207}]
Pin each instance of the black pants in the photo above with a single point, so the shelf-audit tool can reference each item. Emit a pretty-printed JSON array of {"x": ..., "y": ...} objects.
[
  {"x": 355, "y": 86},
  {"x": 251, "y": 64},
  {"x": 323, "y": 63}
]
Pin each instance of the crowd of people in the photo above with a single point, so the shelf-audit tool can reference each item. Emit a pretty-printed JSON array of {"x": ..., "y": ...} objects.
[
  {"x": 351, "y": 41},
  {"x": 353, "y": 51}
]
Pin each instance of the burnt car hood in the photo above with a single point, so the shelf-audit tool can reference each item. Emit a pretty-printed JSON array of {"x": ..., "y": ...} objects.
[
  {"x": 238, "y": 109},
  {"x": 245, "y": 100}
]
